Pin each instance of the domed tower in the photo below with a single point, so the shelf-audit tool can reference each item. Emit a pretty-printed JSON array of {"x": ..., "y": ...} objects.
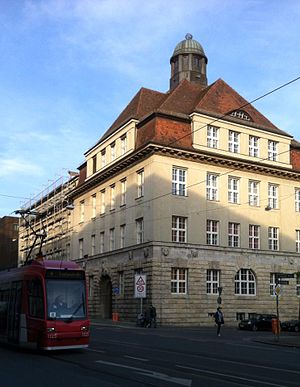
[{"x": 188, "y": 62}]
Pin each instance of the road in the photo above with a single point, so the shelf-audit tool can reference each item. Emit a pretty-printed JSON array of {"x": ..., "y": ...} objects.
[{"x": 130, "y": 356}]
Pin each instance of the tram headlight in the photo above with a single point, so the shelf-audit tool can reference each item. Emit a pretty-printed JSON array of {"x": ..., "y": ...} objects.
[
  {"x": 51, "y": 333},
  {"x": 85, "y": 331},
  {"x": 50, "y": 330}
]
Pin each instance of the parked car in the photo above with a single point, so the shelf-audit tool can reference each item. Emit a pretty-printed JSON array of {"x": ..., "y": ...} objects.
[
  {"x": 291, "y": 325},
  {"x": 261, "y": 322}
]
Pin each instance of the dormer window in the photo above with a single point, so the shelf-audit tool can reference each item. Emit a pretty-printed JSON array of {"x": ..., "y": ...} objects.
[{"x": 241, "y": 115}]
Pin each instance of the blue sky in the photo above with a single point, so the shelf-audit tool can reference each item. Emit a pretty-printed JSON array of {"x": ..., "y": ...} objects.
[{"x": 69, "y": 67}]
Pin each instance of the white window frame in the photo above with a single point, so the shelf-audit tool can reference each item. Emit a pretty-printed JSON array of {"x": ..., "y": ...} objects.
[
  {"x": 272, "y": 150},
  {"x": 272, "y": 283},
  {"x": 140, "y": 183},
  {"x": 112, "y": 242},
  {"x": 212, "y": 136},
  {"x": 179, "y": 229},
  {"x": 139, "y": 225},
  {"x": 103, "y": 158},
  {"x": 179, "y": 181},
  {"x": 123, "y": 192},
  {"x": 297, "y": 241},
  {"x": 122, "y": 235},
  {"x": 233, "y": 141},
  {"x": 212, "y": 232},
  {"x": 273, "y": 196},
  {"x": 245, "y": 283},
  {"x": 297, "y": 199},
  {"x": 253, "y": 146},
  {"x": 123, "y": 144},
  {"x": 94, "y": 204},
  {"x": 233, "y": 189},
  {"x": 102, "y": 242},
  {"x": 212, "y": 182},
  {"x": 233, "y": 234},
  {"x": 112, "y": 151},
  {"x": 212, "y": 281},
  {"x": 254, "y": 236},
  {"x": 253, "y": 193},
  {"x": 179, "y": 278},
  {"x": 273, "y": 238}
]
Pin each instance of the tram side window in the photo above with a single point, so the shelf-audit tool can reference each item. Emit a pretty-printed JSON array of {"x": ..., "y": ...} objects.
[
  {"x": 35, "y": 298},
  {"x": 4, "y": 298}
]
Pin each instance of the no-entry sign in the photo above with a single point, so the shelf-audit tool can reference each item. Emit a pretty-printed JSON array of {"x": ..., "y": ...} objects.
[{"x": 140, "y": 286}]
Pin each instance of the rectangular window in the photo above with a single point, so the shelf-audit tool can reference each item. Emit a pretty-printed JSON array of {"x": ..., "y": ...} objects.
[
  {"x": 212, "y": 136},
  {"x": 103, "y": 158},
  {"x": 253, "y": 193},
  {"x": 80, "y": 242},
  {"x": 179, "y": 181},
  {"x": 94, "y": 161},
  {"x": 179, "y": 229},
  {"x": 140, "y": 183},
  {"x": 93, "y": 245},
  {"x": 121, "y": 282},
  {"x": 298, "y": 241},
  {"x": 212, "y": 281},
  {"x": 94, "y": 198},
  {"x": 178, "y": 281},
  {"x": 272, "y": 283},
  {"x": 272, "y": 195},
  {"x": 102, "y": 200},
  {"x": 139, "y": 230},
  {"x": 272, "y": 150},
  {"x": 233, "y": 189},
  {"x": 211, "y": 186},
  {"x": 122, "y": 235},
  {"x": 123, "y": 145},
  {"x": 102, "y": 242},
  {"x": 82, "y": 211},
  {"x": 273, "y": 238},
  {"x": 233, "y": 141},
  {"x": 112, "y": 151},
  {"x": 111, "y": 239},
  {"x": 233, "y": 234},
  {"x": 112, "y": 197},
  {"x": 253, "y": 146},
  {"x": 123, "y": 191},
  {"x": 297, "y": 199},
  {"x": 212, "y": 232},
  {"x": 254, "y": 236}
]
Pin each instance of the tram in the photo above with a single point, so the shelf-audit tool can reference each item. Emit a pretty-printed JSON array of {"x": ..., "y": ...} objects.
[{"x": 43, "y": 304}]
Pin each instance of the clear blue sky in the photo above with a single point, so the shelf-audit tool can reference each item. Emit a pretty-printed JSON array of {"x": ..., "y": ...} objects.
[{"x": 68, "y": 68}]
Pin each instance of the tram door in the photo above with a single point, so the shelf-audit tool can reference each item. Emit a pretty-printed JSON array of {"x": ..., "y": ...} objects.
[{"x": 14, "y": 311}]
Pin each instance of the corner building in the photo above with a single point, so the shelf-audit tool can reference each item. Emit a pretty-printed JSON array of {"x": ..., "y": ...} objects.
[{"x": 196, "y": 189}]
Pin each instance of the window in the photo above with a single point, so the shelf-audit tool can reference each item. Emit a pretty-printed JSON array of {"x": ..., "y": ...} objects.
[
  {"x": 123, "y": 192},
  {"x": 298, "y": 284},
  {"x": 121, "y": 282},
  {"x": 240, "y": 316},
  {"x": 122, "y": 235},
  {"x": 212, "y": 281},
  {"x": 233, "y": 234},
  {"x": 82, "y": 211},
  {"x": 102, "y": 200},
  {"x": 178, "y": 181},
  {"x": 123, "y": 145},
  {"x": 273, "y": 195},
  {"x": 94, "y": 206},
  {"x": 102, "y": 242},
  {"x": 212, "y": 136},
  {"x": 94, "y": 161},
  {"x": 297, "y": 199},
  {"x": 139, "y": 230},
  {"x": 112, "y": 151},
  {"x": 178, "y": 281},
  {"x": 211, "y": 186},
  {"x": 140, "y": 183},
  {"x": 111, "y": 239},
  {"x": 244, "y": 283},
  {"x": 273, "y": 277},
  {"x": 112, "y": 197},
  {"x": 233, "y": 141},
  {"x": 253, "y": 193},
  {"x": 179, "y": 224},
  {"x": 35, "y": 298},
  {"x": 91, "y": 282},
  {"x": 93, "y": 245},
  {"x": 241, "y": 115},
  {"x": 298, "y": 241},
  {"x": 103, "y": 158},
  {"x": 233, "y": 190},
  {"x": 253, "y": 146},
  {"x": 272, "y": 150},
  {"x": 212, "y": 232},
  {"x": 254, "y": 236},
  {"x": 273, "y": 238},
  {"x": 80, "y": 248}
]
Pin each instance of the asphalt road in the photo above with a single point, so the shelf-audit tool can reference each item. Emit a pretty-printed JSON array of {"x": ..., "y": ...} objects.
[{"x": 131, "y": 356}]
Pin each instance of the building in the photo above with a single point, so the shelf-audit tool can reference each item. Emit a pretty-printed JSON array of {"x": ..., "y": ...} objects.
[
  {"x": 8, "y": 242},
  {"x": 197, "y": 190}
]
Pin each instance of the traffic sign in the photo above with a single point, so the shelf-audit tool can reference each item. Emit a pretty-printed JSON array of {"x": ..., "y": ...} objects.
[
  {"x": 283, "y": 282},
  {"x": 277, "y": 290},
  {"x": 285, "y": 275},
  {"x": 140, "y": 286}
]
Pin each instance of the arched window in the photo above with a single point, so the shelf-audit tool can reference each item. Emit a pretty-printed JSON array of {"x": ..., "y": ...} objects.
[
  {"x": 241, "y": 114},
  {"x": 244, "y": 283}
]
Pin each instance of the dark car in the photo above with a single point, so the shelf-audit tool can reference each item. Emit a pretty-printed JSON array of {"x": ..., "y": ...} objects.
[
  {"x": 291, "y": 325},
  {"x": 262, "y": 322}
]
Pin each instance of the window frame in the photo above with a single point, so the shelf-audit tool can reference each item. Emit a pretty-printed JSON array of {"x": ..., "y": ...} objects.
[
  {"x": 179, "y": 183},
  {"x": 233, "y": 141},
  {"x": 179, "y": 234},
  {"x": 212, "y": 281},
  {"x": 212, "y": 185},
  {"x": 234, "y": 234},
  {"x": 273, "y": 238},
  {"x": 212, "y": 136},
  {"x": 242, "y": 281},
  {"x": 212, "y": 232},
  {"x": 179, "y": 280}
]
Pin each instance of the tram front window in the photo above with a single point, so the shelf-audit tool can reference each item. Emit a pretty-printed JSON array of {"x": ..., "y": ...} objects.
[{"x": 65, "y": 299}]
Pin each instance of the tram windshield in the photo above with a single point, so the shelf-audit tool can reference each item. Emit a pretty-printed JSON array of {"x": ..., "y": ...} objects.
[{"x": 65, "y": 299}]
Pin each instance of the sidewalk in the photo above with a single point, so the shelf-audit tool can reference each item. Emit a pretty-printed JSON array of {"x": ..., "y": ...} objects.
[{"x": 285, "y": 340}]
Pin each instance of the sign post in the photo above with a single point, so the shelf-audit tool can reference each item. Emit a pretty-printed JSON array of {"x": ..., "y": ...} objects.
[{"x": 140, "y": 287}]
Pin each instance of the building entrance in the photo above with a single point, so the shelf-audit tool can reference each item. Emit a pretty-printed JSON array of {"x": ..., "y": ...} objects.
[{"x": 106, "y": 297}]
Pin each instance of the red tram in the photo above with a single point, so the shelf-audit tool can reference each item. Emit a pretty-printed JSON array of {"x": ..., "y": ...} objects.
[{"x": 44, "y": 304}]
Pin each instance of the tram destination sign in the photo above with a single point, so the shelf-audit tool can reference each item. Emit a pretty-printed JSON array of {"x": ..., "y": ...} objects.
[{"x": 65, "y": 274}]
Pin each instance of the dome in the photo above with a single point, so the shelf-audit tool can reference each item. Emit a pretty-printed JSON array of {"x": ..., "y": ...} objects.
[{"x": 189, "y": 45}]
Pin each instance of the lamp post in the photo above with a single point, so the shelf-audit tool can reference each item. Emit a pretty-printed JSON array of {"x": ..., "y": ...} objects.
[{"x": 219, "y": 299}]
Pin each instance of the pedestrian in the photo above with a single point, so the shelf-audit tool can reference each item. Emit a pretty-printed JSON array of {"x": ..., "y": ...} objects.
[
  {"x": 219, "y": 320},
  {"x": 152, "y": 316},
  {"x": 147, "y": 319}
]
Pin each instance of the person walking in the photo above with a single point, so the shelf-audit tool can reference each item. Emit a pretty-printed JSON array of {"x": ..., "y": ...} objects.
[{"x": 219, "y": 320}]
